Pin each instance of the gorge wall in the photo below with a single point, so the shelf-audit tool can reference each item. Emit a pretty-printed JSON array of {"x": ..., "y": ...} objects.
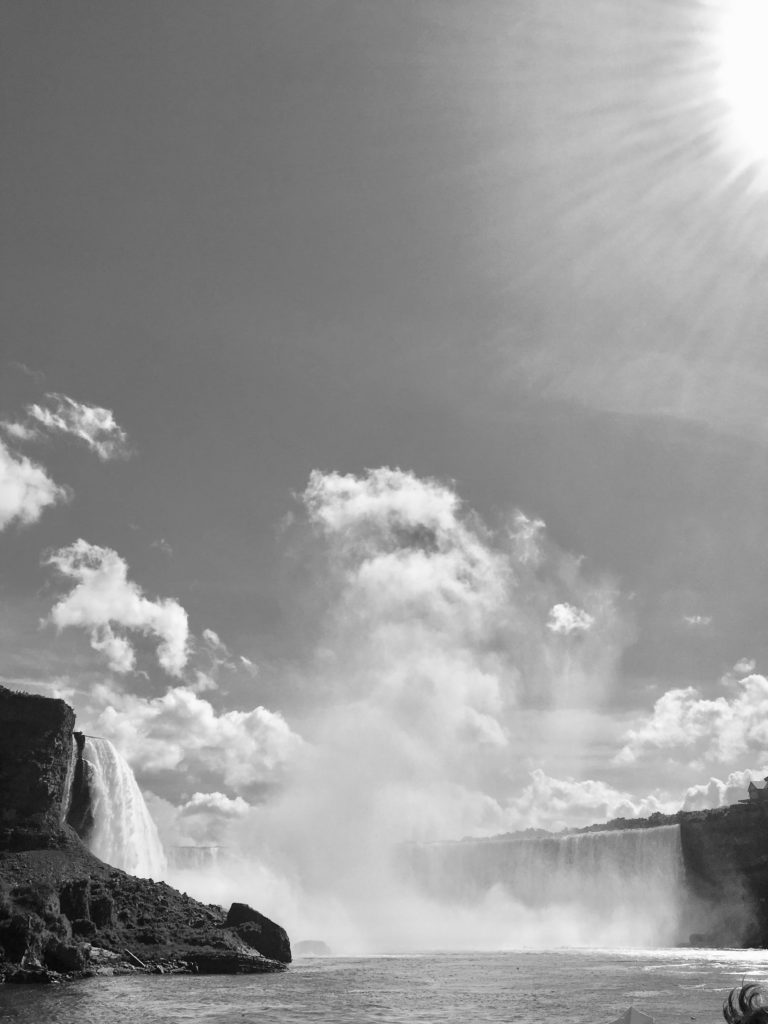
[{"x": 36, "y": 763}]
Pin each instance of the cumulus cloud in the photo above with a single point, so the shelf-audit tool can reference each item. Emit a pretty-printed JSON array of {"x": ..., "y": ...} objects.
[
  {"x": 686, "y": 725},
  {"x": 217, "y": 803},
  {"x": 203, "y": 682},
  {"x": 93, "y": 425},
  {"x": 182, "y": 733},
  {"x": 104, "y": 599},
  {"x": 120, "y": 656},
  {"x": 25, "y": 489},
  {"x": 722, "y": 792},
  {"x": 556, "y": 803},
  {"x": 565, "y": 619},
  {"x": 744, "y": 666}
]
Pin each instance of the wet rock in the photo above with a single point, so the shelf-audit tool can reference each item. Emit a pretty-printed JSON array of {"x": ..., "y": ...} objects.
[
  {"x": 30, "y": 976},
  {"x": 232, "y": 962},
  {"x": 258, "y": 932}
]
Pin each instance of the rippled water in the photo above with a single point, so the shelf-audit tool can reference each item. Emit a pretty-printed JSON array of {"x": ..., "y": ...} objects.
[{"x": 570, "y": 986}]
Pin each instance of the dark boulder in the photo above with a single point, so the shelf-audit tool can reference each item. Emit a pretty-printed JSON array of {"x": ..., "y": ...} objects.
[
  {"x": 65, "y": 956},
  {"x": 258, "y": 932}
]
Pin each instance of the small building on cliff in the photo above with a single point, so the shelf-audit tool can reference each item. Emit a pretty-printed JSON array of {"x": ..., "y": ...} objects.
[{"x": 756, "y": 793}]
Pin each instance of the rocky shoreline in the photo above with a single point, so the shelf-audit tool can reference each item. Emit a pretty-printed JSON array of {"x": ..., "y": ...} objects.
[{"x": 65, "y": 914}]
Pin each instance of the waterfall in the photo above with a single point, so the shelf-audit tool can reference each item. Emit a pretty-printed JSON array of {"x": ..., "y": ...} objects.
[
  {"x": 628, "y": 883},
  {"x": 123, "y": 833},
  {"x": 182, "y": 858}
]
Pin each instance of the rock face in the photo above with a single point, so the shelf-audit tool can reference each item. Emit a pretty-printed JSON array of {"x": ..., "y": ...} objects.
[
  {"x": 80, "y": 809},
  {"x": 259, "y": 932},
  {"x": 725, "y": 852},
  {"x": 58, "y": 902},
  {"x": 726, "y": 860},
  {"x": 35, "y": 762}
]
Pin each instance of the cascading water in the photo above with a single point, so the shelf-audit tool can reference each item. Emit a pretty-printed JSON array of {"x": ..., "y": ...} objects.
[
  {"x": 629, "y": 884},
  {"x": 123, "y": 833},
  {"x": 194, "y": 858}
]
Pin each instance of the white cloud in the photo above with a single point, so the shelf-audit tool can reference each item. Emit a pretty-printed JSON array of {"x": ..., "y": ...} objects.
[
  {"x": 93, "y": 425},
  {"x": 722, "y": 793},
  {"x": 181, "y": 732},
  {"x": 203, "y": 682},
  {"x": 566, "y": 619},
  {"x": 104, "y": 598},
  {"x": 25, "y": 489},
  {"x": 744, "y": 666},
  {"x": 19, "y": 431},
  {"x": 686, "y": 725},
  {"x": 218, "y": 803},
  {"x": 559, "y": 803},
  {"x": 526, "y": 535},
  {"x": 213, "y": 640},
  {"x": 121, "y": 657}
]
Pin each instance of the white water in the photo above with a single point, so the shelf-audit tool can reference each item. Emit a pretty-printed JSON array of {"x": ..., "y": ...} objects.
[
  {"x": 631, "y": 882},
  {"x": 195, "y": 858},
  {"x": 124, "y": 834}
]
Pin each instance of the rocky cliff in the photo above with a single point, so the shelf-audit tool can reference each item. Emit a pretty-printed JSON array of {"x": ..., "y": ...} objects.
[
  {"x": 35, "y": 764},
  {"x": 62, "y": 909}
]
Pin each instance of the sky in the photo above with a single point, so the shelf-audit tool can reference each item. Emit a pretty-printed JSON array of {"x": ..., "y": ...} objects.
[{"x": 382, "y": 389}]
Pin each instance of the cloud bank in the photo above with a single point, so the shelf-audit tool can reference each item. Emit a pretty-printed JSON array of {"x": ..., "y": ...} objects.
[{"x": 685, "y": 725}]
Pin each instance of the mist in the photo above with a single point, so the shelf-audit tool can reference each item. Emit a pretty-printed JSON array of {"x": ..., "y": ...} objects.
[{"x": 446, "y": 651}]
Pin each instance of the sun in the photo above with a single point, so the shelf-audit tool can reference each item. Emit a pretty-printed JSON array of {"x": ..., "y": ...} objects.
[{"x": 744, "y": 76}]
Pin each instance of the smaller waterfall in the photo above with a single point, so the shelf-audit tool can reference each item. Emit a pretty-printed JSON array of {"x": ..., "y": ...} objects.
[
  {"x": 123, "y": 834},
  {"x": 183, "y": 858}
]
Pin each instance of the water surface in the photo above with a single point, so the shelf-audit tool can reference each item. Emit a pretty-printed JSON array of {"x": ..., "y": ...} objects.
[{"x": 569, "y": 986}]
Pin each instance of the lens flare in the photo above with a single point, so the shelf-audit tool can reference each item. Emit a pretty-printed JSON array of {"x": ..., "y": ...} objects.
[{"x": 744, "y": 77}]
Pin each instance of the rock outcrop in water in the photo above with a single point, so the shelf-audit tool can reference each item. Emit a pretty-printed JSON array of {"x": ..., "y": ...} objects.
[{"x": 64, "y": 911}]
